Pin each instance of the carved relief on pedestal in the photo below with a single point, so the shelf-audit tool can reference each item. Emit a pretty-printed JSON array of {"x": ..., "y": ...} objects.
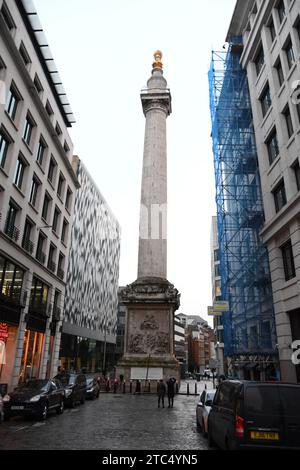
[{"x": 147, "y": 339}]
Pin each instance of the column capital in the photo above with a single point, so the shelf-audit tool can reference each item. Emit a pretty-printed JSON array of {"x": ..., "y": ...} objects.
[{"x": 157, "y": 101}]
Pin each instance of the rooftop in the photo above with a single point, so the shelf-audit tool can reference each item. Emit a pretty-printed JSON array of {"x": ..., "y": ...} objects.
[{"x": 39, "y": 40}]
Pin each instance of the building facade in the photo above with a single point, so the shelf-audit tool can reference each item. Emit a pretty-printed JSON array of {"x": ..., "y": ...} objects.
[
  {"x": 91, "y": 300},
  {"x": 180, "y": 345},
  {"x": 217, "y": 295},
  {"x": 37, "y": 194},
  {"x": 270, "y": 32}
]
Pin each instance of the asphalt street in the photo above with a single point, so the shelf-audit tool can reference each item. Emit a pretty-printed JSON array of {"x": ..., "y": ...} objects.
[{"x": 113, "y": 422}]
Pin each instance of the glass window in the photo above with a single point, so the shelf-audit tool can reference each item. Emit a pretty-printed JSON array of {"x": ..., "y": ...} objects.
[
  {"x": 4, "y": 144},
  {"x": 266, "y": 101},
  {"x": 288, "y": 261},
  {"x": 28, "y": 128},
  {"x": 281, "y": 11},
  {"x": 280, "y": 74},
  {"x": 39, "y": 295},
  {"x": 296, "y": 169},
  {"x": 290, "y": 55},
  {"x": 11, "y": 279},
  {"x": 259, "y": 60},
  {"x": 272, "y": 30},
  {"x": 46, "y": 206},
  {"x": 27, "y": 242},
  {"x": 55, "y": 220},
  {"x": 52, "y": 170},
  {"x": 12, "y": 103},
  {"x": 280, "y": 196},
  {"x": 61, "y": 185},
  {"x": 69, "y": 199},
  {"x": 40, "y": 255},
  {"x": 262, "y": 401},
  {"x": 34, "y": 191},
  {"x": 20, "y": 171},
  {"x": 10, "y": 228},
  {"x": 41, "y": 152},
  {"x": 273, "y": 147},
  {"x": 288, "y": 121}
]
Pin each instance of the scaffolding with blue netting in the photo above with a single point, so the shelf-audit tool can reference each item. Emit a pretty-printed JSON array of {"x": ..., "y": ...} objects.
[{"x": 249, "y": 326}]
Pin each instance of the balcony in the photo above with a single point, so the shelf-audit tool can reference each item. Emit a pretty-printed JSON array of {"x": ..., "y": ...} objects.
[
  {"x": 51, "y": 266},
  {"x": 28, "y": 246},
  {"x": 40, "y": 256},
  {"x": 60, "y": 273},
  {"x": 11, "y": 231}
]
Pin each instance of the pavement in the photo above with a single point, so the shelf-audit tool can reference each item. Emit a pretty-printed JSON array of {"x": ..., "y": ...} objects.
[{"x": 113, "y": 422}]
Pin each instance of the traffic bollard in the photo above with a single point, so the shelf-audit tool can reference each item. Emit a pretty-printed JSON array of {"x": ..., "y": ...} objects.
[
  {"x": 149, "y": 386},
  {"x": 130, "y": 386},
  {"x": 188, "y": 389},
  {"x": 124, "y": 387},
  {"x": 195, "y": 389}
]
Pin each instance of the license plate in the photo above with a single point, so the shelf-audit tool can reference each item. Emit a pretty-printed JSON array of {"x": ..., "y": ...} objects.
[
  {"x": 266, "y": 436},
  {"x": 17, "y": 407}
]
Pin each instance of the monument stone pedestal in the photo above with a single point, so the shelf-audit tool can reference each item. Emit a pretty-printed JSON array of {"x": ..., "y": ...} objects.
[{"x": 149, "y": 336}]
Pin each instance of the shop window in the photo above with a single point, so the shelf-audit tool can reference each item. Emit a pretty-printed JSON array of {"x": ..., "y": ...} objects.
[{"x": 11, "y": 279}]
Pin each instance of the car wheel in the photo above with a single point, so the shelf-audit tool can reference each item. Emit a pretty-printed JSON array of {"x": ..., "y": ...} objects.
[
  {"x": 43, "y": 415},
  {"x": 73, "y": 403},
  {"x": 211, "y": 442},
  {"x": 61, "y": 408}
]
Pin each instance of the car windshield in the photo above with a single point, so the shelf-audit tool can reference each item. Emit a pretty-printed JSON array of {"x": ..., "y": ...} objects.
[
  {"x": 66, "y": 379},
  {"x": 35, "y": 385},
  {"x": 210, "y": 396}
]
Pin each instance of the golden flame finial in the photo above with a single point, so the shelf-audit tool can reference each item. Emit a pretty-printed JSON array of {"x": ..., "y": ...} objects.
[{"x": 157, "y": 60}]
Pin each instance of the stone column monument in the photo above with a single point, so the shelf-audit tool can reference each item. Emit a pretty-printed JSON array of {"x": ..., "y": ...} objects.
[{"x": 151, "y": 301}]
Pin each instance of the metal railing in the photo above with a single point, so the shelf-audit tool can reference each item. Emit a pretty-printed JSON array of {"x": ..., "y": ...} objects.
[
  {"x": 11, "y": 231},
  {"x": 51, "y": 266},
  {"x": 60, "y": 273},
  {"x": 40, "y": 256},
  {"x": 28, "y": 245}
]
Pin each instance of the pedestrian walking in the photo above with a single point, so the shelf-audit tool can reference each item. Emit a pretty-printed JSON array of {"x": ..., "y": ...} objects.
[
  {"x": 171, "y": 391},
  {"x": 161, "y": 392}
]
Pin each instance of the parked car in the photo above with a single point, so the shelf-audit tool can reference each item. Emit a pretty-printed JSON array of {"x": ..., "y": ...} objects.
[
  {"x": 255, "y": 415},
  {"x": 74, "y": 386},
  {"x": 35, "y": 398},
  {"x": 92, "y": 387},
  {"x": 203, "y": 409}
]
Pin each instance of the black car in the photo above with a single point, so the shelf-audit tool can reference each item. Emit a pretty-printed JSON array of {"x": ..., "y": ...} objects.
[
  {"x": 262, "y": 415},
  {"x": 92, "y": 387},
  {"x": 75, "y": 387},
  {"x": 35, "y": 398}
]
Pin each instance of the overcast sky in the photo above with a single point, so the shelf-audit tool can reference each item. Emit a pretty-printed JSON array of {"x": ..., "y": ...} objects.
[{"x": 104, "y": 53}]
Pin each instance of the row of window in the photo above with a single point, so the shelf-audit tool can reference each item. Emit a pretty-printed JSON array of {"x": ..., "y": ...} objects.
[
  {"x": 28, "y": 235},
  {"x": 20, "y": 172},
  {"x": 11, "y": 283},
  {"x": 14, "y": 95},
  {"x": 279, "y": 192}
]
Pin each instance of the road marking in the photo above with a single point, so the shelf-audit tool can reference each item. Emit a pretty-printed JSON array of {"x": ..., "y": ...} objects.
[
  {"x": 19, "y": 429},
  {"x": 38, "y": 425}
]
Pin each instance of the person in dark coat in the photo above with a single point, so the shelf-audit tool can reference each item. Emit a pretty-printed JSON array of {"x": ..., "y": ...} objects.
[
  {"x": 171, "y": 391},
  {"x": 161, "y": 391}
]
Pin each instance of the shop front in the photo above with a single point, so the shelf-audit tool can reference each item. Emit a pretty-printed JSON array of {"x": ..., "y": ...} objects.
[
  {"x": 35, "y": 332},
  {"x": 12, "y": 300}
]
